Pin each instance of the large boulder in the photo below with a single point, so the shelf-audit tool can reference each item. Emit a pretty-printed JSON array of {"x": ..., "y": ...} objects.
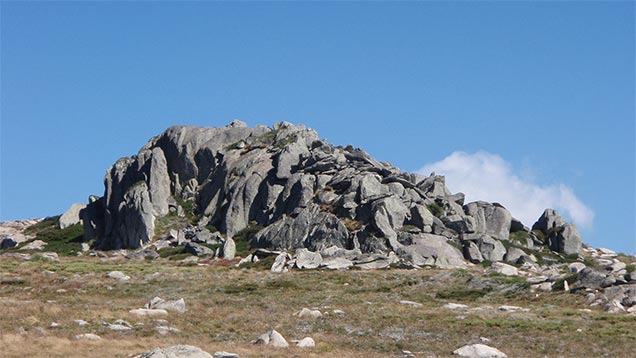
[
  {"x": 490, "y": 219},
  {"x": 561, "y": 236},
  {"x": 432, "y": 250},
  {"x": 566, "y": 240},
  {"x": 71, "y": 216},
  {"x": 549, "y": 220},
  {"x": 489, "y": 248}
]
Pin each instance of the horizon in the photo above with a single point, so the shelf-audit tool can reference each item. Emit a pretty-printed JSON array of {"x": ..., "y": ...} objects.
[{"x": 540, "y": 113}]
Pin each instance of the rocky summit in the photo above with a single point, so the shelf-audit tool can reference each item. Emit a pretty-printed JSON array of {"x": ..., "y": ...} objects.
[{"x": 290, "y": 190}]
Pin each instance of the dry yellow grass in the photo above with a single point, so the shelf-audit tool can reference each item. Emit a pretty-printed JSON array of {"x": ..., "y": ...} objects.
[{"x": 227, "y": 308}]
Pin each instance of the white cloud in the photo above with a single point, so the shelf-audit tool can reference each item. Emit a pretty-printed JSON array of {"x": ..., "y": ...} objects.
[{"x": 486, "y": 176}]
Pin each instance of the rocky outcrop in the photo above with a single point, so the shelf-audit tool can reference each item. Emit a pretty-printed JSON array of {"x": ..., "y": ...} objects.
[
  {"x": 302, "y": 193},
  {"x": 561, "y": 236}
]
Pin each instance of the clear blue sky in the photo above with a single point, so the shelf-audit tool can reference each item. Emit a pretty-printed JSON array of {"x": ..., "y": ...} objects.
[{"x": 547, "y": 87}]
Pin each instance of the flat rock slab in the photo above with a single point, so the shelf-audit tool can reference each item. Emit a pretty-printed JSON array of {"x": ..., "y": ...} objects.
[{"x": 176, "y": 352}]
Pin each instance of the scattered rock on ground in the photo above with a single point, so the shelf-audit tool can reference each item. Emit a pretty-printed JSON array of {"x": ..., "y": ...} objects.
[
  {"x": 272, "y": 338},
  {"x": 118, "y": 275},
  {"x": 306, "y": 342},
  {"x": 149, "y": 312},
  {"x": 307, "y": 313},
  {"x": 88, "y": 337},
  {"x": 176, "y": 352},
  {"x": 169, "y": 305},
  {"x": 479, "y": 351}
]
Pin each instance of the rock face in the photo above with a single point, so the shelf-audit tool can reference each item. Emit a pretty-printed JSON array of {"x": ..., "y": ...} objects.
[{"x": 301, "y": 193}]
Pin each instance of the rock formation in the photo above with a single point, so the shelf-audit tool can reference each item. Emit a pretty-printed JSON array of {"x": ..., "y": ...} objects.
[{"x": 299, "y": 191}]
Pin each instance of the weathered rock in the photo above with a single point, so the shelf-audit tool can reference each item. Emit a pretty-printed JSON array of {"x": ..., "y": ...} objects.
[
  {"x": 513, "y": 255},
  {"x": 48, "y": 256},
  {"x": 229, "y": 249},
  {"x": 411, "y": 303},
  {"x": 306, "y": 342},
  {"x": 177, "y": 305},
  {"x": 311, "y": 228},
  {"x": 432, "y": 250},
  {"x": 163, "y": 330},
  {"x": 146, "y": 312},
  {"x": 34, "y": 245},
  {"x": 479, "y": 351},
  {"x": 548, "y": 221},
  {"x": 490, "y": 248},
  {"x": 306, "y": 259},
  {"x": 71, "y": 216},
  {"x": 336, "y": 263},
  {"x": 566, "y": 240},
  {"x": 279, "y": 263},
  {"x": 88, "y": 337},
  {"x": 590, "y": 278},
  {"x": 576, "y": 267},
  {"x": 490, "y": 219},
  {"x": 197, "y": 249},
  {"x": 454, "y": 306},
  {"x": 118, "y": 275},
  {"x": 181, "y": 351},
  {"x": 307, "y": 313},
  {"x": 389, "y": 215},
  {"x": 272, "y": 338},
  {"x": 472, "y": 253},
  {"x": 223, "y": 354},
  {"x": 504, "y": 269}
]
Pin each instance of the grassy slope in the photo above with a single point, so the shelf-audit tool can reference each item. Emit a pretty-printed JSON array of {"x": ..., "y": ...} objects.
[{"x": 229, "y": 307}]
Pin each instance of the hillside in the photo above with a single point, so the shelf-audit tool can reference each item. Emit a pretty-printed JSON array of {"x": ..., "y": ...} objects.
[{"x": 251, "y": 225}]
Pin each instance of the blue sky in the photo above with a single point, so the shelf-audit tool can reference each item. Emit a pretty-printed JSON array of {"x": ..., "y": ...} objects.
[{"x": 536, "y": 96}]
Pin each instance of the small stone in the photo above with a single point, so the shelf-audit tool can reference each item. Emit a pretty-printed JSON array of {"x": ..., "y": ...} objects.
[
  {"x": 307, "y": 313},
  {"x": 182, "y": 351},
  {"x": 306, "y": 342},
  {"x": 338, "y": 312},
  {"x": 88, "y": 337},
  {"x": 81, "y": 322},
  {"x": 223, "y": 354},
  {"x": 118, "y": 275},
  {"x": 149, "y": 312},
  {"x": 163, "y": 330},
  {"x": 454, "y": 306},
  {"x": 479, "y": 351},
  {"x": 411, "y": 303},
  {"x": 506, "y": 308},
  {"x": 169, "y": 305}
]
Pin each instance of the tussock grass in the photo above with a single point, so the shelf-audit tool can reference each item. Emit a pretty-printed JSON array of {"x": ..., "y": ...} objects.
[{"x": 228, "y": 307}]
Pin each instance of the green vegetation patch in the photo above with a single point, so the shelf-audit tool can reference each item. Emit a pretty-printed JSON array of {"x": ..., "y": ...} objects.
[
  {"x": 243, "y": 238},
  {"x": 67, "y": 241},
  {"x": 461, "y": 294},
  {"x": 435, "y": 209}
]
